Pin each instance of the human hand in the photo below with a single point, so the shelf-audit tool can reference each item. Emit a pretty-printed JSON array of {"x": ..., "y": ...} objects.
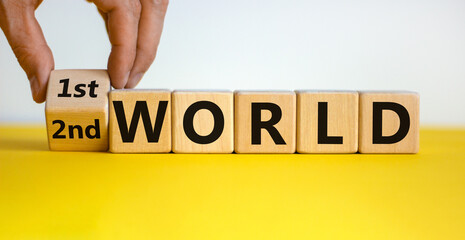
[{"x": 134, "y": 29}]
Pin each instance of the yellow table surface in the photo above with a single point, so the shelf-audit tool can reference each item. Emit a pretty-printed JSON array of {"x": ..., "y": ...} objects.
[{"x": 68, "y": 195}]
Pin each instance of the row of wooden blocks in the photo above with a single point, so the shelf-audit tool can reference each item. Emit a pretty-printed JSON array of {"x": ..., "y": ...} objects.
[{"x": 83, "y": 114}]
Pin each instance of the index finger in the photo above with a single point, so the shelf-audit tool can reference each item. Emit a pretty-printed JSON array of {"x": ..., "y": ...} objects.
[{"x": 123, "y": 20}]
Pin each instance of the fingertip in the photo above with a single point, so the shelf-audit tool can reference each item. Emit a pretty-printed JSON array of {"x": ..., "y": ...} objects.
[
  {"x": 39, "y": 99},
  {"x": 42, "y": 94},
  {"x": 134, "y": 80},
  {"x": 118, "y": 82},
  {"x": 34, "y": 84},
  {"x": 38, "y": 90},
  {"x": 39, "y": 72}
]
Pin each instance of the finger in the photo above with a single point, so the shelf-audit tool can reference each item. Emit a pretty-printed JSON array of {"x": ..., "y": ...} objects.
[
  {"x": 150, "y": 29},
  {"x": 123, "y": 20},
  {"x": 28, "y": 43}
]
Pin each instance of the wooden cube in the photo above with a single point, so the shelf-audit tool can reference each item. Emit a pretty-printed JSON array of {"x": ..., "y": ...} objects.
[
  {"x": 389, "y": 122},
  {"x": 140, "y": 121},
  {"x": 265, "y": 122},
  {"x": 77, "y": 110},
  {"x": 203, "y": 122},
  {"x": 327, "y": 122}
]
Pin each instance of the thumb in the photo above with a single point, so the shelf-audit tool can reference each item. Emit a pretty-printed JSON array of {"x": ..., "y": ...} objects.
[{"x": 28, "y": 44}]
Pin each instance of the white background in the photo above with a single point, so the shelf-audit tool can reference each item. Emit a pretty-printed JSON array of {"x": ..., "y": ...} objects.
[{"x": 416, "y": 45}]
